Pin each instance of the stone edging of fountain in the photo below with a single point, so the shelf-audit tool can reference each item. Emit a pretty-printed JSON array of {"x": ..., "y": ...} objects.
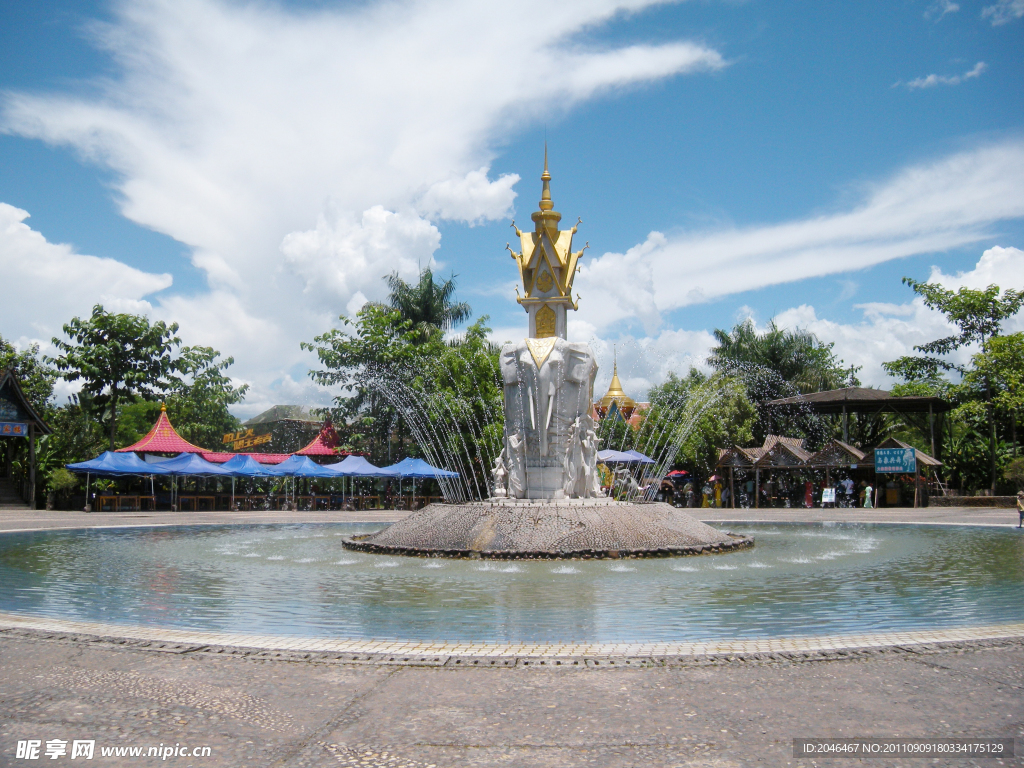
[
  {"x": 738, "y": 542},
  {"x": 503, "y": 655}
]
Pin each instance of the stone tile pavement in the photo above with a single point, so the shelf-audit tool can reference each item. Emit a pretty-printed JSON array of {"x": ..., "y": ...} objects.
[{"x": 286, "y": 710}]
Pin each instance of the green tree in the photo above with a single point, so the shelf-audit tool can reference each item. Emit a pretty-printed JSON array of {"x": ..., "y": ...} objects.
[
  {"x": 406, "y": 392},
  {"x": 978, "y": 316},
  {"x": 1001, "y": 365},
  {"x": 699, "y": 414},
  {"x": 428, "y": 306},
  {"x": 34, "y": 374},
  {"x": 779, "y": 363},
  {"x": 117, "y": 357},
  {"x": 200, "y": 395},
  {"x": 364, "y": 351}
]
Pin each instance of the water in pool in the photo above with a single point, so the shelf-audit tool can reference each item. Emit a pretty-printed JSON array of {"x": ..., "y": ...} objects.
[{"x": 799, "y": 579}]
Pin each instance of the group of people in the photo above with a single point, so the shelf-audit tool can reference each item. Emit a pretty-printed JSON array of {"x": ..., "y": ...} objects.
[{"x": 715, "y": 493}]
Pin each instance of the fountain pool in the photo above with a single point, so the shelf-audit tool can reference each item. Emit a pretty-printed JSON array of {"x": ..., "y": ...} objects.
[{"x": 802, "y": 579}]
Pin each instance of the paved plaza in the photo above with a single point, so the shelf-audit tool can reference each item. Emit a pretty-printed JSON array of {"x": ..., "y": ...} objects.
[{"x": 271, "y": 702}]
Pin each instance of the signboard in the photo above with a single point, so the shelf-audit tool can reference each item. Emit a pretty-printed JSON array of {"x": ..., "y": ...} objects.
[
  {"x": 246, "y": 438},
  {"x": 901, "y": 461},
  {"x": 828, "y": 496},
  {"x": 250, "y": 442},
  {"x": 13, "y": 429}
]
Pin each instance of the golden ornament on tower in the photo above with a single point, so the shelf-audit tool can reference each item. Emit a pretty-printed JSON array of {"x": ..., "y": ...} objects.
[{"x": 547, "y": 266}]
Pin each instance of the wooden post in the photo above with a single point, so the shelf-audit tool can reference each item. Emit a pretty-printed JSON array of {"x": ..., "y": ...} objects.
[
  {"x": 732, "y": 488},
  {"x": 846, "y": 431},
  {"x": 757, "y": 487},
  {"x": 32, "y": 465},
  {"x": 931, "y": 428}
]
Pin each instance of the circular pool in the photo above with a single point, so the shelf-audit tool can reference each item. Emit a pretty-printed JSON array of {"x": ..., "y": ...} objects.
[{"x": 800, "y": 579}]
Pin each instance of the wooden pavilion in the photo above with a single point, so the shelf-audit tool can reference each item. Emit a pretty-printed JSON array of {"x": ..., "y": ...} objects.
[
  {"x": 19, "y": 420},
  {"x": 870, "y": 402}
]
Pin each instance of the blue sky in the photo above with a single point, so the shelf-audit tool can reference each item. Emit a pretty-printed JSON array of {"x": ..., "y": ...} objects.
[{"x": 251, "y": 170}]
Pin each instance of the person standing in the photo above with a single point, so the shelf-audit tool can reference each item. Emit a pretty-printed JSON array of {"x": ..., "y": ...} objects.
[
  {"x": 1020, "y": 508},
  {"x": 868, "y": 490}
]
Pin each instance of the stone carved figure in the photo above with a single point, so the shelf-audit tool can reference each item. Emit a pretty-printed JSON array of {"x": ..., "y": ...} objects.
[
  {"x": 581, "y": 478},
  {"x": 590, "y": 447},
  {"x": 626, "y": 483},
  {"x": 548, "y": 387},
  {"x": 499, "y": 477},
  {"x": 516, "y": 447},
  {"x": 574, "y": 471}
]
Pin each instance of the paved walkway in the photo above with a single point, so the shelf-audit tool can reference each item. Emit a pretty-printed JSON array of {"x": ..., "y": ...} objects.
[{"x": 321, "y": 702}]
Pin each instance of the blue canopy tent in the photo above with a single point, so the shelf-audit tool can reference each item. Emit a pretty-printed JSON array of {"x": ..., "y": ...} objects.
[
  {"x": 301, "y": 466},
  {"x": 614, "y": 457},
  {"x": 357, "y": 466},
  {"x": 417, "y": 469},
  {"x": 624, "y": 457},
  {"x": 188, "y": 465},
  {"x": 244, "y": 465},
  {"x": 115, "y": 465},
  {"x": 640, "y": 458}
]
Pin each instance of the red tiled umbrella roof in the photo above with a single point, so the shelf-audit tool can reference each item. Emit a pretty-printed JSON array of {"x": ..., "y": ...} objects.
[
  {"x": 219, "y": 457},
  {"x": 162, "y": 438},
  {"x": 324, "y": 444}
]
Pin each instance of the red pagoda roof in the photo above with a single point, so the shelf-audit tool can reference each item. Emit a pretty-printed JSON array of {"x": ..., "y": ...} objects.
[
  {"x": 219, "y": 457},
  {"x": 324, "y": 444},
  {"x": 162, "y": 438}
]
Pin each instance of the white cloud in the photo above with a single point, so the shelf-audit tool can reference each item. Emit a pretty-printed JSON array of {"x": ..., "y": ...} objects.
[
  {"x": 46, "y": 284},
  {"x": 1003, "y": 12},
  {"x": 940, "y": 8},
  {"x": 473, "y": 198},
  {"x": 338, "y": 259},
  {"x": 885, "y": 332},
  {"x": 302, "y": 153},
  {"x": 889, "y": 331},
  {"x": 923, "y": 209},
  {"x": 931, "y": 81}
]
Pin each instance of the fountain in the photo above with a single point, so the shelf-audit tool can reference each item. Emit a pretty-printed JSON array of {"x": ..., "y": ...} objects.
[{"x": 545, "y": 498}]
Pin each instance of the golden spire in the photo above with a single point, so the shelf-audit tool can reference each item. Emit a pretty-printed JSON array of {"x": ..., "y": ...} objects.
[
  {"x": 546, "y": 218},
  {"x": 163, "y": 408},
  {"x": 616, "y": 394},
  {"x": 545, "y": 195}
]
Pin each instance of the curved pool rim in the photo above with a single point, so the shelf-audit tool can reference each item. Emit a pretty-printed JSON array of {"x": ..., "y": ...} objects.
[{"x": 156, "y": 638}]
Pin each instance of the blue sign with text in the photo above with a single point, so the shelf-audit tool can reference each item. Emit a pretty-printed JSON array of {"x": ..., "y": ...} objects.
[
  {"x": 898, "y": 460},
  {"x": 13, "y": 429}
]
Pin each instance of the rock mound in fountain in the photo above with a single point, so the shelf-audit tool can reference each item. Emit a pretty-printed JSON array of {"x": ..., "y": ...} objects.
[{"x": 582, "y": 529}]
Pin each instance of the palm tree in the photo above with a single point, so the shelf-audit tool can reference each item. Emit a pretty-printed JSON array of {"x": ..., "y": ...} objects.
[
  {"x": 798, "y": 357},
  {"x": 428, "y": 305}
]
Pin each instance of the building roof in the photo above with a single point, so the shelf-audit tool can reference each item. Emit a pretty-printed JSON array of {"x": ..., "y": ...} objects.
[
  {"x": 325, "y": 443},
  {"x": 10, "y": 390},
  {"x": 219, "y": 457},
  {"x": 163, "y": 438},
  {"x": 783, "y": 453},
  {"x": 282, "y": 413},
  {"x": 864, "y": 400},
  {"x": 836, "y": 453}
]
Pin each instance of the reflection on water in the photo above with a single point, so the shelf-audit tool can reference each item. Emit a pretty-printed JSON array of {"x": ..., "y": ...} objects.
[{"x": 799, "y": 579}]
